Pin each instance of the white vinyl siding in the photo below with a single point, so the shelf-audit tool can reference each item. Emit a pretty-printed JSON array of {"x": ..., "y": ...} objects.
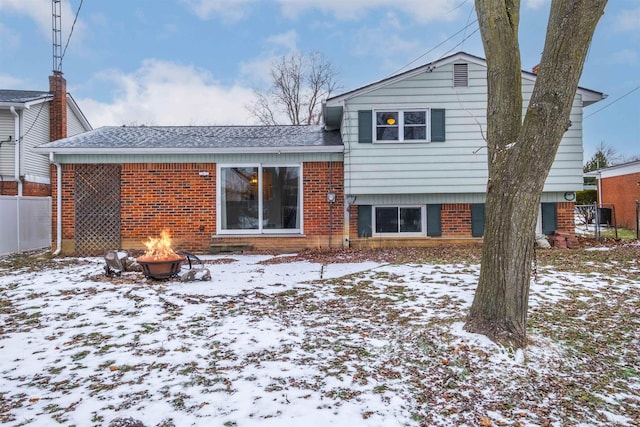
[
  {"x": 460, "y": 165},
  {"x": 7, "y": 150},
  {"x": 35, "y": 131},
  {"x": 74, "y": 126}
]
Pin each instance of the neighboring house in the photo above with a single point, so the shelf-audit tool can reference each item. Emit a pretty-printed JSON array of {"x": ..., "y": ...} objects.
[
  {"x": 415, "y": 157},
  {"x": 398, "y": 162},
  {"x": 619, "y": 187},
  {"x": 28, "y": 119}
]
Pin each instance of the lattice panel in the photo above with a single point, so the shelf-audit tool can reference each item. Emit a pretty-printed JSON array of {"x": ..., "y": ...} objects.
[{"x": 97, "y": 208}]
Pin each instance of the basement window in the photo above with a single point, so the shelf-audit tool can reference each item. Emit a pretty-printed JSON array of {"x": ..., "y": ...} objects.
[{"x": 406, "y": 220}]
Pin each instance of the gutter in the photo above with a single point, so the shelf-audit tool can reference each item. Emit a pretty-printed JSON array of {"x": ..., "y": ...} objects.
[
  {"x": 17, "y": 149},
  {"x": 58, "y": 206}
]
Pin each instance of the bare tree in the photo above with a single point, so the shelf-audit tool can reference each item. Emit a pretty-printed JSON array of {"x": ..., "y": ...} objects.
[
  {"x": 520, "y": 153},
  {"x": 299, "y": 84}
]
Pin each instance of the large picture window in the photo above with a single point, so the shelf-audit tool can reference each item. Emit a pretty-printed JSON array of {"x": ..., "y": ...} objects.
[
  {"x": 399, "y": 219},
  {"x": 260, "y": 199},
  {"x": 408, "y": 126}
]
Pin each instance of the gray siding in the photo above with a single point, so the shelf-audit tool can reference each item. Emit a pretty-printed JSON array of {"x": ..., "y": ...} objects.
[
  {"x": 35, "y": 131},
  {"x": 74, "y": 125},
  {"x": 456, "y": 166},
  {"x": 7, "y": 151}
]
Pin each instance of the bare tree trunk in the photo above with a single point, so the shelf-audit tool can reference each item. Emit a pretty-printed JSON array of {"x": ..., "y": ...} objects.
[{"x": 520, "y": 154}]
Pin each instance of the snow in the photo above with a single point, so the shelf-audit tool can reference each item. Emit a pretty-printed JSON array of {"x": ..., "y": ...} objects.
[{"x": 261, "y": 344}]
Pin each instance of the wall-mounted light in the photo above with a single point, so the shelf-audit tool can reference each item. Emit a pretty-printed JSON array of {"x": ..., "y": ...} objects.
[
  {"x": 569, "y": 196},
  {"x": 331, "y": 197}
]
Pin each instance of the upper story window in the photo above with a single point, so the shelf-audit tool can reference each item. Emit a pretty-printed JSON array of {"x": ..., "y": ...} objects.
[
  {"x": 461, "y": 75},
  {"x": 402, "y": 125}
]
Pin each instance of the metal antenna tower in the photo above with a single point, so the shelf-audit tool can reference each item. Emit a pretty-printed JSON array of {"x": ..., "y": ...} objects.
[{"x": 56, "y": 21}]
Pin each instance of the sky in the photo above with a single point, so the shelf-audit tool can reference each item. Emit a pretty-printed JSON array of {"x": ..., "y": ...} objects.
[{"x": 198, "y": 62}]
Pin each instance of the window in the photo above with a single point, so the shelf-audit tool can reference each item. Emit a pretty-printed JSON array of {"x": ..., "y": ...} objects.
[
  {"x": 260, "y": 199},
  {"x": 398, "y": 219},
  {"x": 402, "y": 125}
]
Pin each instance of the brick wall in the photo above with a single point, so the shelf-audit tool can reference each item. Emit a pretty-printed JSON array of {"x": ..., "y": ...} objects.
[
  {"x": 162, "y": 196},
  {"x": 8, "y": 188},
  {"x": 68, "y": 208},
  {"x": 36, "y": 189},
  {"x": 58, "y": 107},
  {"x": 177, "y": 197},
  {"x": 622, "y": 192},
  {"x": 456, "y": 220},
  {"x": 566, "y": 216}
]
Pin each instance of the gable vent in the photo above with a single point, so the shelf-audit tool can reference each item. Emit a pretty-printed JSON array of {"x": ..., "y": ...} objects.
[{"x": 461, "y": 75}]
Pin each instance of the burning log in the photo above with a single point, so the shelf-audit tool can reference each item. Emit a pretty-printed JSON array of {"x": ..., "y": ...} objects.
[{"x": 160, "y": 261}]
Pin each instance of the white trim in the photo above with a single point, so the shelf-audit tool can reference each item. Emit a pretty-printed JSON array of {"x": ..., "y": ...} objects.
[
  {"x": 37, "y": 179},
  {"x": 260, "y": 231},
  {"x": 423, "y": 221},
  {"x": 400, "y": 111},
  {"x": 589, "y": 96},
  {"x": 189, "y": 150}
]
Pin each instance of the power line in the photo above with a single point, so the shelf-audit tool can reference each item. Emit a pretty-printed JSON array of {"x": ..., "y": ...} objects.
[
  {"x": 436, "y": 46},
  {"x": 612, "y": 102},
  {"x": 71, "y": 32}
]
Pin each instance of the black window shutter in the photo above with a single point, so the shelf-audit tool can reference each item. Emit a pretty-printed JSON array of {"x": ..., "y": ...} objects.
[
  {"x": 477, "y": 219},
  {"x": 437, "y": 125},
  {"x": 434, "y": 220},
  {"x": 549, "y": 218},
  {"x": 365, "y": 131},
  {"x": 364, "y": 221}
]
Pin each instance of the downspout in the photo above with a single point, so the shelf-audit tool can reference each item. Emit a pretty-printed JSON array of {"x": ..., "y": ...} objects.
[
  {"x": 59, "y": 206},
  {"x": 17, "y": 149}
]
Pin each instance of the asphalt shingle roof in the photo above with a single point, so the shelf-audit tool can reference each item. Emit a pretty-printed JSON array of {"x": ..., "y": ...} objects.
[
  {"x": 18, "y": 96},
  {"x": 202, "y": 138}
]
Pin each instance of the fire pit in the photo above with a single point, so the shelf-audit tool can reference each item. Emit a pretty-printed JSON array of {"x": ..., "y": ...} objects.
[{"x": 160, "y": 261}]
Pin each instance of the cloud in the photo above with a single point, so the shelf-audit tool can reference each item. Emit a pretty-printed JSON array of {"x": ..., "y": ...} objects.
[
  {"x": 534, "y": 4},
  {"x": 628, "y": 20},
  {"x": 418, "y": 10},
  {"x": 166, "y": 93},
  {"x": 228, "y": 10},
  {"x": 257, "y": 72},
  {"x": 7, "y": 81},
  {"x": 40, "y": 12}
]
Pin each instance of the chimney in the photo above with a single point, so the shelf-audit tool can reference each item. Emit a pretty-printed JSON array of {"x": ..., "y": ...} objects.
[
  {"x": 535, "y": 69},
  {"x": 58, "y": 107}
]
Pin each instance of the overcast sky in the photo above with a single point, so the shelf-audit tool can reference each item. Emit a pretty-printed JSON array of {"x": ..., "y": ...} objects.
[{"x": 197, "y": 62}]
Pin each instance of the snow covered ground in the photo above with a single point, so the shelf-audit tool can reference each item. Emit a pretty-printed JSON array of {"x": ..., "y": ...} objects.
[{"x": 285, "y": 341}]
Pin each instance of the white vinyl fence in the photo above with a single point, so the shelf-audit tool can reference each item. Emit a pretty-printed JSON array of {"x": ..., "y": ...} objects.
[{"x": 25, "y": 223}]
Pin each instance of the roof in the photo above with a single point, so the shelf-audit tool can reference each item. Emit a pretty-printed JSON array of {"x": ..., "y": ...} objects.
[
  {"x": 616, "y": 170},
  {"x": 17, "y": 97},
  {"x": 589, "y": 95},
  {"x": 197, "y": 139}
]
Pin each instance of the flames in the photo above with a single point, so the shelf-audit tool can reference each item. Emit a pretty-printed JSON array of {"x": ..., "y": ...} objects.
[{"x": 159, "y": 249}]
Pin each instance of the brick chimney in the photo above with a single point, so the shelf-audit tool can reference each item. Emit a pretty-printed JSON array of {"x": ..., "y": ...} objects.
[
  {"x": 535, "y": 69},
  {"x": 58, "y": 107}
]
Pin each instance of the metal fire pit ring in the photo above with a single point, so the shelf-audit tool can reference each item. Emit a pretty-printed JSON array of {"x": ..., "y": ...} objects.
[{"x": 161, "y": 269}]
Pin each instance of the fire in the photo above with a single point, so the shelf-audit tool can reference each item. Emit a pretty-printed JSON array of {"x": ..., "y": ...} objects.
[{"x": 160, "y": 248}]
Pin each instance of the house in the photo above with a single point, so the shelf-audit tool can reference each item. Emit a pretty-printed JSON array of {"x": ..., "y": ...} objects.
[
  {"x": 415, "y": 161},
  {"x": 28, "y": 119},
  {"x": 619, "y": 190},
  {"x": 264, "y": 187},
  {"x": 397, "y": 162}
]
